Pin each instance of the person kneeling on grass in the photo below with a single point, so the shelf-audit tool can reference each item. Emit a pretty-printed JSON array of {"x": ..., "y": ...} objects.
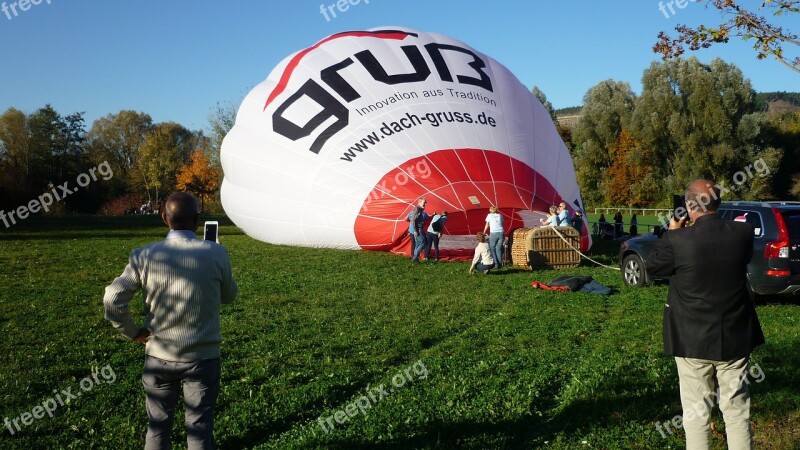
[{"x": 483, "y": 260}]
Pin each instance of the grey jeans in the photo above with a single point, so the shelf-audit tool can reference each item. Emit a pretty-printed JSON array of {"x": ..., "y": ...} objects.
[{"x": 162, "y": 382}]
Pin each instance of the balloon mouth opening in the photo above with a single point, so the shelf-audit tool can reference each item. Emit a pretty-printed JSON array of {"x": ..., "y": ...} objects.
[
  {"x": 521, "y": 194},
  {"x": 459, "y": 237}
]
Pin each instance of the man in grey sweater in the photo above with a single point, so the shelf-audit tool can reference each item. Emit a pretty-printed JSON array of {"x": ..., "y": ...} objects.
[{"x": 183, "y": 280}]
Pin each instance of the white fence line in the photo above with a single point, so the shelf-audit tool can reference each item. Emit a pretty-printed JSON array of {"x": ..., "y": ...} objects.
[{"x": 630, "y": 211}]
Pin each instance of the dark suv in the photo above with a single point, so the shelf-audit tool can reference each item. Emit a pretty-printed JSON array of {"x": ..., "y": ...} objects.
[{"x": 775, "y": 267}]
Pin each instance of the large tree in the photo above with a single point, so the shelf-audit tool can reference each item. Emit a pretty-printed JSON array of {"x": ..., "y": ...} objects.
[
  {"x": 164, "y": 149},
  {"x": 41, "y": 150},
  {"x": 630, "y": 179},
  {"x": 220, "y": 121},
  {"x": 607, "y": 109},
  {"x": 199, "y": 176},
  {"x": 546, "y": 103},
  {"x": 769, "y": 39},
  {"x": 15, "y": 141},
  {"x": 116, "y": 138},
  {"x": 16, "y": 185},
  {"x": 56, "y": 144},
  {"x": 783, "y": 131},
  {"x": 697, "y": 120}
]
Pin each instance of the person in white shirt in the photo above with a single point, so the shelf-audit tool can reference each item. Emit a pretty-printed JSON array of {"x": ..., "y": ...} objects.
[
  {"x": 482, "y": 261},
  {"x": 494, "y": 225}
]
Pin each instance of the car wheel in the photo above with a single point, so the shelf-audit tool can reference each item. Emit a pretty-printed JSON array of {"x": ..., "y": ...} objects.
[
  {"x": 757, "y": 299},
  {"x": 633, "y": 272}
]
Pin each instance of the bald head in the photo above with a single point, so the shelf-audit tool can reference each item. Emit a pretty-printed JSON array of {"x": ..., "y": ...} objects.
[
  {"x": 702, "y": 197},
  {"x": 181, "y": 211}
]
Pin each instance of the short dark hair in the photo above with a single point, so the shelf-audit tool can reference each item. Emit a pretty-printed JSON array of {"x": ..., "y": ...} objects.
[{"x": 182, "y": 210}]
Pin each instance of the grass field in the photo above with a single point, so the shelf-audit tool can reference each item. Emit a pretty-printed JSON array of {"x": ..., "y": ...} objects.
[{"x": 434, "y": 357}]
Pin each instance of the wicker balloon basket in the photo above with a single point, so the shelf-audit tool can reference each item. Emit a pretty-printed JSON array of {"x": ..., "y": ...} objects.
[{"x": 542, "y": 248}]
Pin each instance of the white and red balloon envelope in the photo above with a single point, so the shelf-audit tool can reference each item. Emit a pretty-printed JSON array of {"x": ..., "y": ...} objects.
[{"x": 339, "y": 142}]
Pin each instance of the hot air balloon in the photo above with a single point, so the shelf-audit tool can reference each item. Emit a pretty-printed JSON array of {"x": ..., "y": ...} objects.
[{"x": 339, "y": 142}]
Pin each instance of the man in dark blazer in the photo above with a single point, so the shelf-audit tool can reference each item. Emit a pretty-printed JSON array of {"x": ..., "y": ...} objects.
[{"x": 710, "y": 322}]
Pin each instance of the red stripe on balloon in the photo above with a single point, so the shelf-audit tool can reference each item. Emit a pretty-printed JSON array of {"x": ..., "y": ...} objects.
[{"x": 287, "y": 73}]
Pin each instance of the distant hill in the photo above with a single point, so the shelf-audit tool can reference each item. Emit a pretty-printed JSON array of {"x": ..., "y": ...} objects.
[
  {"x": 777, "y": 107},
  {"x": 774, "y": 103},
  {"x": 766, "y": 101},
  {"x": 571, "y": 111},
  {"x": 567, "y": 117}
]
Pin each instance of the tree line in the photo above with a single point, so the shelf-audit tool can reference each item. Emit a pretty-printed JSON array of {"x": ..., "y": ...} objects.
[
  {"x": 763, "y": 99},
  {"x": 148, "y": 160},
  {"x": 691, "y": 120}
]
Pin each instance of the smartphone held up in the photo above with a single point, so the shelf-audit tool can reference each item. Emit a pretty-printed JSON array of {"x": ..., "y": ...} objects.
[
  {"x": 211, "y": 231},
  {"x": 679, "y": 210}
]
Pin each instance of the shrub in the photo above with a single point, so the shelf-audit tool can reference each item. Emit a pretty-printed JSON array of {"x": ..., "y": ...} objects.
[{"x": 120, "y": 206}]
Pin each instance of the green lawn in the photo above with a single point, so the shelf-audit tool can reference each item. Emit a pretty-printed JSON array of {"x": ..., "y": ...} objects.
[{"x": 476, "y": 361}]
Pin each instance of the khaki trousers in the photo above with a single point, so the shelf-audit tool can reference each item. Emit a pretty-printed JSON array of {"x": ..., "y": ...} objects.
[{"x": 705, "y": 383}]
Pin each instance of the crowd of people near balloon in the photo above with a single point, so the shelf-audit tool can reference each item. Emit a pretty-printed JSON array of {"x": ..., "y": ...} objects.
[{"x": 490, "y": 249}]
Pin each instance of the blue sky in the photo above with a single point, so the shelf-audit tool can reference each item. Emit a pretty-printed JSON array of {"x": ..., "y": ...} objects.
[{"x": 176, "y": 59}]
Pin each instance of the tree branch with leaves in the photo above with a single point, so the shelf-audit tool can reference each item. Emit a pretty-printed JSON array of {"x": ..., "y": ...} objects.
[{"x": 769, "y": 39}]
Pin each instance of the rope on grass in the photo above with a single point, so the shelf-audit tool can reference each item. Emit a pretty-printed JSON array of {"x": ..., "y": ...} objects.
[{"x": 579, "y": 252}]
